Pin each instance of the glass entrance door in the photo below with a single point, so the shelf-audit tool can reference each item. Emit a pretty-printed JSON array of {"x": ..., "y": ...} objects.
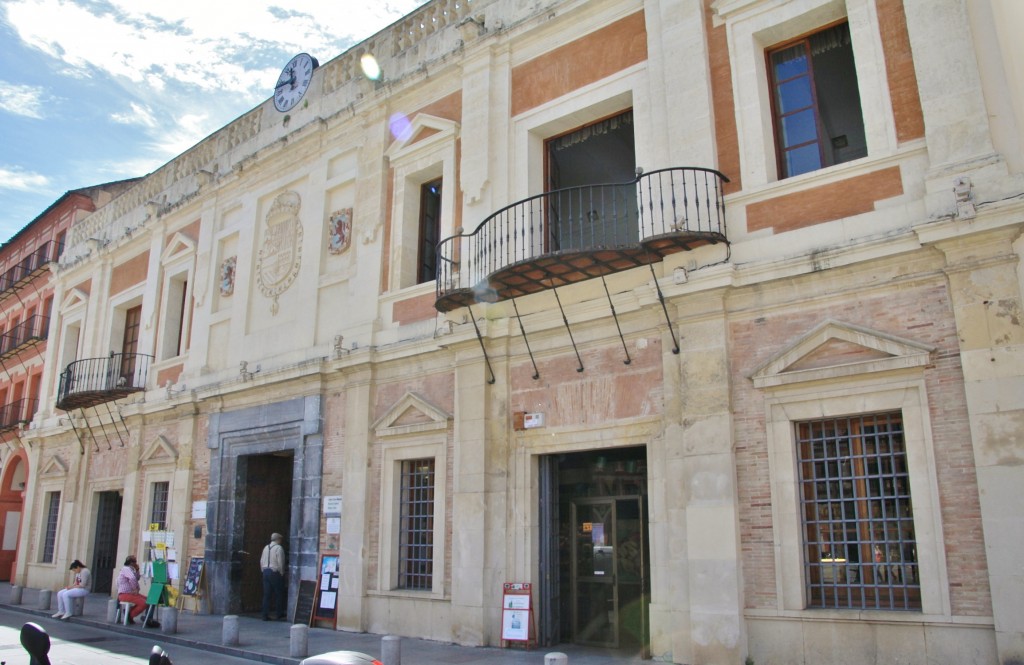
[{"x": 609, "y": 607}]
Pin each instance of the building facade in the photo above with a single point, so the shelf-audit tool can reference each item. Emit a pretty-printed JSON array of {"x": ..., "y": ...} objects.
[
  {"x": 26, "y": 302},
  {"x": 703, "y": 318}
]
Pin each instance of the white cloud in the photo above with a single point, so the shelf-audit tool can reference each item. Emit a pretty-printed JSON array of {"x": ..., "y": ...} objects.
[
  {"x": 23, "y": 100},
  {"x": 138, "y": 115},
  {"x": 17, "y": 179},
  {"x": 237, "y": 47}
]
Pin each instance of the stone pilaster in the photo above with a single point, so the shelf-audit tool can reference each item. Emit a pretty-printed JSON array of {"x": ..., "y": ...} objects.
[{"x": 985, "y": 289}]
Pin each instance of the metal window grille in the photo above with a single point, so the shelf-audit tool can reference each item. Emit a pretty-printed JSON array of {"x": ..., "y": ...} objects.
[
  {"x": 416, "y": 551},
  {"x": 50, "y": 537},
  {"x": 860, "y": 550},
  {"x": 158, "y": 513}
]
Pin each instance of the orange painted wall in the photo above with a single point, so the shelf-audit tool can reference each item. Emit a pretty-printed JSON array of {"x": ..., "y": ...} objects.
[
  {"x": 581, "y": 62},
  {"x": 899, "y": 70},
  {"x": 129, "y": 273},
  {"x": 726, "y": 134},
  {"x": 823, "y": 204}
]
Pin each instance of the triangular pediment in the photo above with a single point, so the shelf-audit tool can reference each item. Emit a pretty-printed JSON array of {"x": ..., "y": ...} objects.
[
  {"x": 74, "y": 298},
  {"x": 54, "y": 467},
  {"x": 423, "y": 131},
  {"x": 159, "y": 451},
  {"x": 835, "y": 349},
  {"x": 179, "y": 246},
  {"x": 410, "y": 415}
]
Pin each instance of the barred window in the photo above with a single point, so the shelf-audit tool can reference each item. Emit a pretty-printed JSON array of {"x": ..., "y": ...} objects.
[
  {"x": 50, "y": 536},
  {"x": 416, "y": 550},
  {"x": 860, "y": 550},
  {"x": 158, "y": 511}
]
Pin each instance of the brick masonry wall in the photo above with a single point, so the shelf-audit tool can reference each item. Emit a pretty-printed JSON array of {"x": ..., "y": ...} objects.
[{"x": 922, "y": 313}]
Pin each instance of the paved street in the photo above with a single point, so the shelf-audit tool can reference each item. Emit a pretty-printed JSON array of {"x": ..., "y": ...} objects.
[
  {"x": 74, "y": 643},
  {"x": 92, "y": 639}
]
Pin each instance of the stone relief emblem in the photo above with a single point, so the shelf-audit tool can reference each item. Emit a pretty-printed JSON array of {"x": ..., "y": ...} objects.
[
  {"x": 227, "y": 275},
  {"x": 280, "y": 256},
  {"x": 340, "y": 230}
]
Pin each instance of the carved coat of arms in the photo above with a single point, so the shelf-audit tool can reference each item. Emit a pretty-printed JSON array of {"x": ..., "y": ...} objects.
[
  {"x": 281, "y": 253},
  {"x": 340, "y": 230}
]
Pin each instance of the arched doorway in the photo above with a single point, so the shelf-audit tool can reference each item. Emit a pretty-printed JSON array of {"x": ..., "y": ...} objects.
[{"x": 12, "y": 497}]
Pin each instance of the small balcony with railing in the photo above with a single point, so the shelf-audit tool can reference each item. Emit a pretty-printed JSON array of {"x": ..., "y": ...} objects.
[
  {"x": 17, "y": 413},
  {"x": 94, "y": 381},
  {"x": 23, "y": 272},
  {"x": 27, "y": 334},
  {"x": 570, "y": 235}
]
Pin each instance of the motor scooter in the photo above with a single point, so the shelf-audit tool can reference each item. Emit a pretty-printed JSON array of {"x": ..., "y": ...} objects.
[{"x": 36, "y": 641}]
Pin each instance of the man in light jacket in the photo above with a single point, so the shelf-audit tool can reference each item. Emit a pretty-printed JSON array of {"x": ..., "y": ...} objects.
[{"x": 273, "y": 562}]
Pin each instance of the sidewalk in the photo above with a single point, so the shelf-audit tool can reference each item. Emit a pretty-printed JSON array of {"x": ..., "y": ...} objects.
[{"x": 269, "y": 642}]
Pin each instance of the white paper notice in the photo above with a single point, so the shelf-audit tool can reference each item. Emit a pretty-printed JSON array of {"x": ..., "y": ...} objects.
[{"x": 327, "y": 599}]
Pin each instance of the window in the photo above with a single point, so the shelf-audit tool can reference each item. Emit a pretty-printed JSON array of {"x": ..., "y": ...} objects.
[
  {"x": 422, "y": 159},
  {"x": 50, "y": 535},
  {"x": 158, "y": 510},
  {"x": 816, "y": 102},
  {"x": 416, "y": 531},
  {"x": 600, "y": 153},
  {"x": 858, "y": 519},
  {"x": 430, "y": 229},
  {"x": 176, "y": 314},
  {"x": 130, "y": 343}
]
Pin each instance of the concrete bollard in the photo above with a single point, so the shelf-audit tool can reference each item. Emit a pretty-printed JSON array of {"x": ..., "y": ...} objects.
[
  {"x": 112, "y": 610},
  {"x": 78, "y": 606},
  {"x": 229, "y": 634},
  {"x": 556, "y": 658},
  {"x": 391, "y": 650},
  {"x": 299, "y": 644},
  {"x": 44, "y": 599},
  {"x": 168, "y": 620},
  {"x": 16, "y": 595}
]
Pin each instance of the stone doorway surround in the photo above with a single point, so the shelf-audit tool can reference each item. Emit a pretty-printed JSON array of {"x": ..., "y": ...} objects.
[{"x": 293, "y": 425}]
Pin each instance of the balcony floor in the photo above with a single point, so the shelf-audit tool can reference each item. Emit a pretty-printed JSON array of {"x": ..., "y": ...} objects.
[
  {"x": 89, "y": 398},
  {"x": 547, "y": 271}
]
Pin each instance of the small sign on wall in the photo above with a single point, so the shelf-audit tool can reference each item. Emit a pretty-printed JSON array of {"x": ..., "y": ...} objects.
[{"x": 332, "y": 505}]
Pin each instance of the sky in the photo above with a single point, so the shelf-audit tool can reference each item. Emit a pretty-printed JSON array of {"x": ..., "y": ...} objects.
[{"x": 93, "y": 91}]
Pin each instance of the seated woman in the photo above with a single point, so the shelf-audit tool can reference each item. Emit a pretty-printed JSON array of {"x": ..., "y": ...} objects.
[{"x": 78, "y": 588}]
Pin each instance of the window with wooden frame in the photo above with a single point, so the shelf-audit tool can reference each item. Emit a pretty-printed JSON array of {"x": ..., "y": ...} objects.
[
  {"x": 430, "y": 230},
  {"x": 816, "y": 101},
  {"x": 130, "y": 343},
  {"x": 860, "y": 550}
]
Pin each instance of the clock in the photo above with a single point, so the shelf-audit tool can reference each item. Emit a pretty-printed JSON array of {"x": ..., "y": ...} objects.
[{"x": 293, "y": 81}]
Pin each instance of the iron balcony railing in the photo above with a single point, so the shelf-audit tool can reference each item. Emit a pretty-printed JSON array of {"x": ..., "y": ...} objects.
[
  {"x": 96, "y": 380},
  {"x": 631, "y": 216},
  {"x": 17, "y": 412},
  {"x": 28, "y": 266},
  {"x": 32, "y": 330}
]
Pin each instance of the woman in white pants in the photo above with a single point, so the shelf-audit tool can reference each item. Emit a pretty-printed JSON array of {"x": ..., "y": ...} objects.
[{"x": 79, "y": 587}]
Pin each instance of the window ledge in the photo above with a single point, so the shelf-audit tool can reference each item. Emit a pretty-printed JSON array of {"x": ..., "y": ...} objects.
[
  {"x": 408, "y": 595},
  {"x": 902, "y": 617}
]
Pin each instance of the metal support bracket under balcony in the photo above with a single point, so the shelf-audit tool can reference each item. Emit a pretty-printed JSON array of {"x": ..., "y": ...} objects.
[
  {"x": 522, "y": 329},
  {"x": 483, "y": 348}
]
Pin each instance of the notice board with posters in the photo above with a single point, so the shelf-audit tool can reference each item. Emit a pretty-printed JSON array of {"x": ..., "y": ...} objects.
[
  {"x": 517, "y": 614},
  {"x": 326, "y": 608}
]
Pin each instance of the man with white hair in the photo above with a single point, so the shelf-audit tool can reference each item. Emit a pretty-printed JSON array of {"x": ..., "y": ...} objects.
[{"x": 273, "y": 562}]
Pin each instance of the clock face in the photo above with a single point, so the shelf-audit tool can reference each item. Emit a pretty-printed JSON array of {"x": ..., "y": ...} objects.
[{"x": 294, "y": 80}]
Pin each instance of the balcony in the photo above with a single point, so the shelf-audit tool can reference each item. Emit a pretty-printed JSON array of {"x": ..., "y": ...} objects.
[
  {"x": 17, "y": 413},
  {"x": 94, "y": 381},
  {"x": 28, "y": 268},
  {"x": 28, "y": 333},
  {"x": 571, "y": 235}
]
